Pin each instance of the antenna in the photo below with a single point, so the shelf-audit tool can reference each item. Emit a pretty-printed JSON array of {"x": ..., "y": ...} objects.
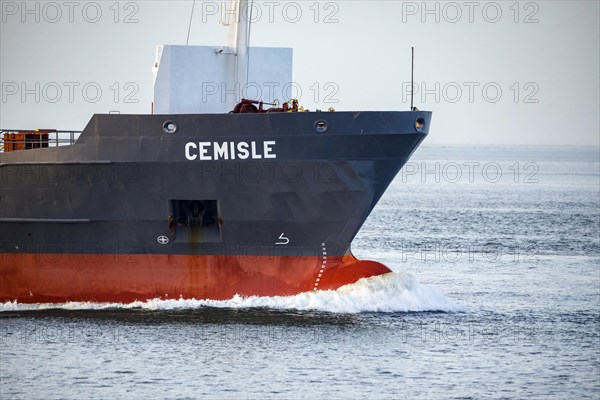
[
  {"x": 190, "y": 25},
  {"x": 248, "y": 40},
  {"x": 412, "y": 78}
]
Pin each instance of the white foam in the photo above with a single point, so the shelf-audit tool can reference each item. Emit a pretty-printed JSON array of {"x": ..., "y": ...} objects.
[{"x": 393, "y": 292}]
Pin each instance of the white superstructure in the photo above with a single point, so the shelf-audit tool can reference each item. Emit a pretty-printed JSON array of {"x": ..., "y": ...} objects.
[{"x": 212, "y": 79}]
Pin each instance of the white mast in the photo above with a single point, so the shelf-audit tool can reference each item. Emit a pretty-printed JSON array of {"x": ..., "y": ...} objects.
[{"x": 238, "y": 39}]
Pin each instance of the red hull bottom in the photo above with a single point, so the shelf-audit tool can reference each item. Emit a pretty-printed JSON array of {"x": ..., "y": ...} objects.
[{"x": 121, "y": 278}]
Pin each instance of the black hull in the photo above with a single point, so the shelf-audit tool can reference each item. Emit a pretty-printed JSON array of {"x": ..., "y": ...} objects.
[{"x": 113, "y": 191}]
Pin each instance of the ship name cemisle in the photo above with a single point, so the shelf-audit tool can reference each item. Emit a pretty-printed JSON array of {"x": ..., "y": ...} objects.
[{"x": 211, "y": 151}]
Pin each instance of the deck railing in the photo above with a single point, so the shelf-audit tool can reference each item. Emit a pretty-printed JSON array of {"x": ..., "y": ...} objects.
[{"x": 22, "y": 139}]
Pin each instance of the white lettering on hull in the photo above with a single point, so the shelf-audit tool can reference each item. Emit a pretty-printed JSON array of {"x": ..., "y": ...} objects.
[{"x": 213, "y": 151}]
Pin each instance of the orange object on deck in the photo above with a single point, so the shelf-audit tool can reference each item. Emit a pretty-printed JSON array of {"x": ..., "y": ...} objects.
[{"x": 25, "y": 140}]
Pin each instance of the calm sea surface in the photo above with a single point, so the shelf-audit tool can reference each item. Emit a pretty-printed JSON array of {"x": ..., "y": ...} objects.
[{"x": 496, "y": 295}]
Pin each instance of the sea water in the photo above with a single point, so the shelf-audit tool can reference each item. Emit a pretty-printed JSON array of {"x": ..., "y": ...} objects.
[{"x": 495, "y": 294}]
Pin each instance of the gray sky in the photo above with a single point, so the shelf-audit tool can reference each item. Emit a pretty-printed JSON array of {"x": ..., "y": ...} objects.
[{"x": 492, "y": 72}]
